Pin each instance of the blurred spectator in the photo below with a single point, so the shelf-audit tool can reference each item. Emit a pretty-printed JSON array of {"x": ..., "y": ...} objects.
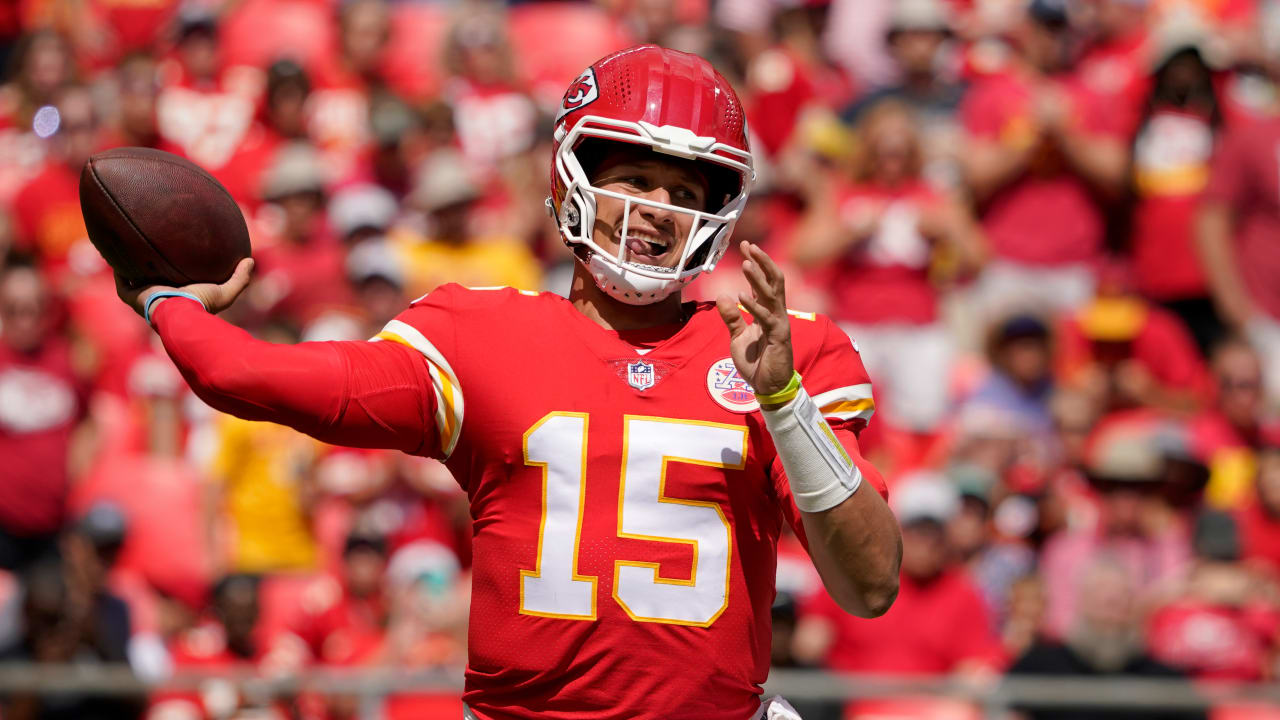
[
  {"x": 43, "y": 408},
  {"x": 139, "y": 90},
  {"x": 493, "y": 117},
  {"x": 281, "y": 120},
  {"x": 1179, "y": 120},
  {"x": 301, "y": 273},
  {"x": 1223, "y": 624},
  {"x": 262, "y": 490},
  {"x": 1233, "y": 428},
  {"x": 69, "y": 617},
  {"x": 204, "y": 107},
  {"x": 1130, "y": 353},
  {"x": 938, "y": 624},
  {"x": 989, "y": 546},
  {"x": 1136, "y": 527},
  {"x": 47, "y": 208},
  {"x": 451, "y": 252},
  {"x": 917, "y": 38},
  {"x": 230, "y": 638},
  {"x": 880, "y": 235},
  {"x": 1239, "y": 219},
  {"x": 1105, "y": 639},
  {"x": 1020, "y": 384},
  {"x": 1117, "y": 43},
  {"x": 39, "y": 67},
  {"x": 1259, "y": 519},
  {"x": 338, "y": 111},
  {"x": 1043, "y": 152},
  {"x": 343, "y": 620}
]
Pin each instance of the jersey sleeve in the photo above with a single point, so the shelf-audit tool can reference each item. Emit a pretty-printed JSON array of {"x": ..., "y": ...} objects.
[
  {"x": 358, "y": 394},
  {"x": 430, "y": 327},
  {"x": 835, "y": 378}
]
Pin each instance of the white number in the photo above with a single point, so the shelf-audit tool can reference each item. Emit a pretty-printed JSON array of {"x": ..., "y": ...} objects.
[
  {"x": 555, "y": 589},
  {"x": 558, "y": 443}
]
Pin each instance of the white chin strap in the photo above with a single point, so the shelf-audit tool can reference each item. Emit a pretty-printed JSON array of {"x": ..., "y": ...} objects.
[{"x": 621, "y": 283}]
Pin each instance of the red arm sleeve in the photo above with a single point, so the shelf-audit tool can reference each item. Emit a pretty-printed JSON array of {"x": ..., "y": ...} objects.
[{"x": 358, "y": 394}]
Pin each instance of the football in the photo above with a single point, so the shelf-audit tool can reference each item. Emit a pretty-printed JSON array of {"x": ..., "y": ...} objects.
[{"x": 159, "y": 219}]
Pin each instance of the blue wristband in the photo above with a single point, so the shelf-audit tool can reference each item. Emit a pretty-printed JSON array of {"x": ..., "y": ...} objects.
[{"x": 146, "y": 311}]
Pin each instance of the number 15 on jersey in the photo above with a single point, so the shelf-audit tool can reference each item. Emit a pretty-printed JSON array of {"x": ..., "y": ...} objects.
[{"x": 558, "y": 444}]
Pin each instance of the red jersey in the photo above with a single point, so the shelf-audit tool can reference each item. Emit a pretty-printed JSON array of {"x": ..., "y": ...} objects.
[
  {"x": 1047, "y": 216},
  {"x": 1246, "y": 178},
  {"x": 886, "y": 278},
  {"x": 932, "y": 628},
  {"x": 41, "y": 402},
  {"x": 1170, "y": 170},
  {"x": 626, "y": 501}
]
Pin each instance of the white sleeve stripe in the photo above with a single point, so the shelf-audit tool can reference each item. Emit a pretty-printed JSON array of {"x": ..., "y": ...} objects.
[
  {"x": 850, "y": 393},
  {"x": 448, "y": 390},
  {"x": 847, "y": 403}
]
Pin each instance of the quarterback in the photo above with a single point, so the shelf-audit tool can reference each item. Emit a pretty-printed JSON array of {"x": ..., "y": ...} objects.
[{"x": 629, "y": 457}]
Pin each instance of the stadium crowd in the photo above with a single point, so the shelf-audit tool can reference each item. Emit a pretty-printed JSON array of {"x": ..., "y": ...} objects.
[{"x": 1052, "y": 228}]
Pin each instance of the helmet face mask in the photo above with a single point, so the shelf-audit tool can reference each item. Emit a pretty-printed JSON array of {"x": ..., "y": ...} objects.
[{"x": 595, "y": 114}]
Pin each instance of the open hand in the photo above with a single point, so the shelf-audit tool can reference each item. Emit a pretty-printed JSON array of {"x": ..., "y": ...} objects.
[
  {"x": 216, "y": 298},
  {"x": 761, "y": 350}
]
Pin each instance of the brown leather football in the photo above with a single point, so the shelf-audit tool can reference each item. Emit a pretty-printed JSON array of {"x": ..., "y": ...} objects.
[{"x": 159, "y": 219}]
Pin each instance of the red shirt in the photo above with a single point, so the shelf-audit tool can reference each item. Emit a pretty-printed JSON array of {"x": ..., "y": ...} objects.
[
  {"x": 1046, "y": 216},
  {"x": 41, "y": 402},
  {"x": 48, "y": 219},
  {"x": 1162, "y": 345},
  {"x": 207, "y": 121},
  {"x": 1170, "y": 171},
  {"x": 885, "y": 278},
  {"x": 307, "y": 279},
  {"x": 1246, "y": 178},
  {"x": 336, "y": 627},
  {"x": 932, "y": 628},
  {"x": 1260, "y": 535},
  {"x": 1213, "y": 642}
]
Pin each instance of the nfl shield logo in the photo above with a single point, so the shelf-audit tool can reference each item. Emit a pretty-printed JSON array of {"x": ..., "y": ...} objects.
[{"x": 640, "y": 375}]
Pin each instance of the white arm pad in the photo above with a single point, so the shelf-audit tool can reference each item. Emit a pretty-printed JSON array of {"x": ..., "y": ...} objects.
[{"x": 821, "y": 473}]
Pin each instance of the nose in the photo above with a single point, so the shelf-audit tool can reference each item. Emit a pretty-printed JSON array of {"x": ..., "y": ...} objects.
[{"x": 657, "y": 215}]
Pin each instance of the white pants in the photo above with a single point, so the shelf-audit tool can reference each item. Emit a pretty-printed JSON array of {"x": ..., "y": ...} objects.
[
  {"x": 1006, "y": 287},
  {"x": 910, "y": 369},
  {"x": 775, "y": 708}
]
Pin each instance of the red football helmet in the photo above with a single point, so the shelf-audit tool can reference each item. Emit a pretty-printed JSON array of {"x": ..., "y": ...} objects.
[{"x": 677, "y": 104}]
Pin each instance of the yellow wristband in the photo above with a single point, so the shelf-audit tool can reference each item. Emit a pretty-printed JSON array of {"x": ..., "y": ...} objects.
[{"x": 783, "y": 396}]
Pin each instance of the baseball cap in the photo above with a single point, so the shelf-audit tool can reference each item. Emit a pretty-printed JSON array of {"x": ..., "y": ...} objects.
[
  {"x": 919, "y": 16},
  {"x": 362, "y": 207},
  {"x": 195, "y": 17},
  {"x": 1050, "y": 13},
  {"x": 374, "y": 259},
  {"x": 296, "y": 168},
  {"x": 443, "y": 180},
  {"x": 104, "y": 525},
  {"x": 1113, "y": 318},
  {"x": 924, "y": 496}
]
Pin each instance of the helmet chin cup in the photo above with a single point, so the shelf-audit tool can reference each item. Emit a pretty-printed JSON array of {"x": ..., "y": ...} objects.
[{"x": 626, "y": 286}]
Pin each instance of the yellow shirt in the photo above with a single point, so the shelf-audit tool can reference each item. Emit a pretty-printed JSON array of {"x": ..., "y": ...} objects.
[
  {"x": 262, "y": 468},
  {"x": 483, "y": 262}
]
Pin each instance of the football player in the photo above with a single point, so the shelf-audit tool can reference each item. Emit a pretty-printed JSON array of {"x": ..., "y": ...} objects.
[{"x": 629, "y": 457}]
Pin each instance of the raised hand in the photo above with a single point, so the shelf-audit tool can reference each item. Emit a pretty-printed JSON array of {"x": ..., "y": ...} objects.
[
  {"x": 216, "y": 298},
  {"x": 761, "y": 350}
]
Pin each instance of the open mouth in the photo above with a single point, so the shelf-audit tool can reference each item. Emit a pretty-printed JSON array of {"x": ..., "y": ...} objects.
[{"x": 647, "y": 249}]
